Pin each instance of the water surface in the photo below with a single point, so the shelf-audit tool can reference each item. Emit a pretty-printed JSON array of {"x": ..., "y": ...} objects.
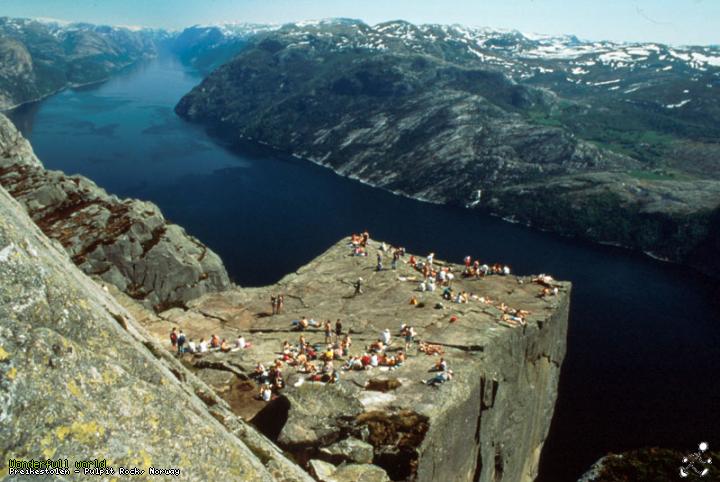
[{"x": 644, "y": 336}]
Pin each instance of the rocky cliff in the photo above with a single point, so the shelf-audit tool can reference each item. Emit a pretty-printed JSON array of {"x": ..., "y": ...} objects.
[
  {"x": 535, "y": 129},
  {"x": 81, "y": 379},
  {"x": 39, "y": 58},
  {"x": 126, "y": 242},
  {"x": 487, "y": 424}
]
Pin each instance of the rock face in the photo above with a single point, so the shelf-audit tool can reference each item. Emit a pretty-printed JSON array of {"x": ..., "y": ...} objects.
[
  {"x": 487, "y": 424},
  {"x": 123, "y": 241},
  {"x": 480, "y": 118},
  {"x": 38, "y": 58},
  {"x": 650, "y": 464},
  {"x": 81, "y": 379}
]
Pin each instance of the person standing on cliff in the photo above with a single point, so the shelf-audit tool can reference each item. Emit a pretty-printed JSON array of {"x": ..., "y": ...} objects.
[
  {"x": 379, "y": 261},
  {"x": 280, "y": 303},
  {"x": 180, "y": 343},
  {"x": 338, "y": 329},
  {"x": 273, "y": 303},
  {"x": 174, "y": 338},
  {"x": 358, "y": 286},
  {"x": 395, "y": 258},
  {"x": 328, "y": 332}
]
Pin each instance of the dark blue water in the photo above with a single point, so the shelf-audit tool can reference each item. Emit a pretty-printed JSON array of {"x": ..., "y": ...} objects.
[{"x": 644, "y": 336}]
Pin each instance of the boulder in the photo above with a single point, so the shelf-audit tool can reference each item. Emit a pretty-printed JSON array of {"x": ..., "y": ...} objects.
[
  {"x": 350, "y": 450},
  {"x": 325, "y": 472}
]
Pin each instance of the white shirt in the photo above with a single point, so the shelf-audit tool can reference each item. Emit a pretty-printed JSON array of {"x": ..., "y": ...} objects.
[
  {"x": 240, "y": 342},
  {"x": 191, "y": 346},
  {"x": 203, "y": 347},
  {"x": 386, "y": 336}
]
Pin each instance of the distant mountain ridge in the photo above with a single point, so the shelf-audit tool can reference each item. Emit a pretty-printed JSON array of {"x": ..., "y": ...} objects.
[
  {"x": 614, "y": 142},
  {"x": 39, "y": 58}
]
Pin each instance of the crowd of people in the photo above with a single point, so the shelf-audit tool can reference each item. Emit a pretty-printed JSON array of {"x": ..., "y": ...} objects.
[
  {"x": 324, "y": 361},
  {"x": 181, "y": 344}
]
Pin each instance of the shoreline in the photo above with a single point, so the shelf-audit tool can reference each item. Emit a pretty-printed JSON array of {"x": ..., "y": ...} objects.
[
  {"x": 72, "y": 86},
  {"x": 248, "y": 144}
]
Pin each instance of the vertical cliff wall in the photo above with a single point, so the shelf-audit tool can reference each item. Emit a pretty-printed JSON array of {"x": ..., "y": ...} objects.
[{"x": 498, "y": 430}]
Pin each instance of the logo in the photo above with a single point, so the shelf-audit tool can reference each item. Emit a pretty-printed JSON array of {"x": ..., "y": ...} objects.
[{"x": 697, "y": 462}]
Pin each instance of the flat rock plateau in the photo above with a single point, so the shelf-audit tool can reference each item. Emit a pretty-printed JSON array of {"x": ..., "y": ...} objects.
[{"x": 488, "y": 423}]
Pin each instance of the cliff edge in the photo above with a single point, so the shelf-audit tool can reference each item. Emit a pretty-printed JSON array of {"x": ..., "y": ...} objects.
[
  {"x": 126, "y": 242},
  {"x": 81, "y": 379},
  {"x": 489, "y": 423}
]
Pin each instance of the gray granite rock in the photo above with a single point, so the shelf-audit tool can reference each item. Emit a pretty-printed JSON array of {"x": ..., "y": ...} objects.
[
  {"x": 126, "y": 242},
  {"x": 350, "y": 450},
  {"x": 81, "y": 379}
]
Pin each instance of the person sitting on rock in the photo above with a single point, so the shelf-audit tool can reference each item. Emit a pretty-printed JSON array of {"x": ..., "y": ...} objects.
[
  {"x": 414, "y": 300},
  {"x": 353, "y": 363},
  {"x": 440, "y": 378},
  {"x": 430, "y": 349},
  {"x": 265, "y": 393},
  {"x": 240, "y": 343},
  {"x": 303, "y": 324},
  {"x": 309, "y": 368},
  {"x": 440, "y": 366},
  {"x": 412, "y": 261},
  {"x": 260, "y": 373},
  {"x": 202, "y": 346},
  {"x": 374, "y": 361},
  {"x": 385, "y": 336},
  {"x": 328, "y": 354},
  {"x": 191, "y": 347},
  {"x": 224, "y": 347},
  {"x": 400, "y": 358},
  {"x": 447, "y": 293},
  {"x": 365, "y": 360},
  {"x": 376, "y": 346},
  {"x": 214, "y": 342},
  {"x": 365, "y": 238}
]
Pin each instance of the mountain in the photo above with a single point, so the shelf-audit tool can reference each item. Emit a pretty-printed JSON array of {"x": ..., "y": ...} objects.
[
  {"x": 39, "y": 58},
  {"x": 613, "y": 142},
  {"x": 206, "y": 47}
]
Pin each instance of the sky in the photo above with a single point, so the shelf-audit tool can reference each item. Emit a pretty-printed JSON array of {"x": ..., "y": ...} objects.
[{"x": 679, "y": 22}]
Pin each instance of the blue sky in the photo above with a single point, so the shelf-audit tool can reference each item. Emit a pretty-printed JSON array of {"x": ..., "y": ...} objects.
[{"x": 670, "y": 21}]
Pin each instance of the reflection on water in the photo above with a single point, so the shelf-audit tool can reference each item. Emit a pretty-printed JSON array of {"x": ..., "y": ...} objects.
[{"x": 644, "y": 336}]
